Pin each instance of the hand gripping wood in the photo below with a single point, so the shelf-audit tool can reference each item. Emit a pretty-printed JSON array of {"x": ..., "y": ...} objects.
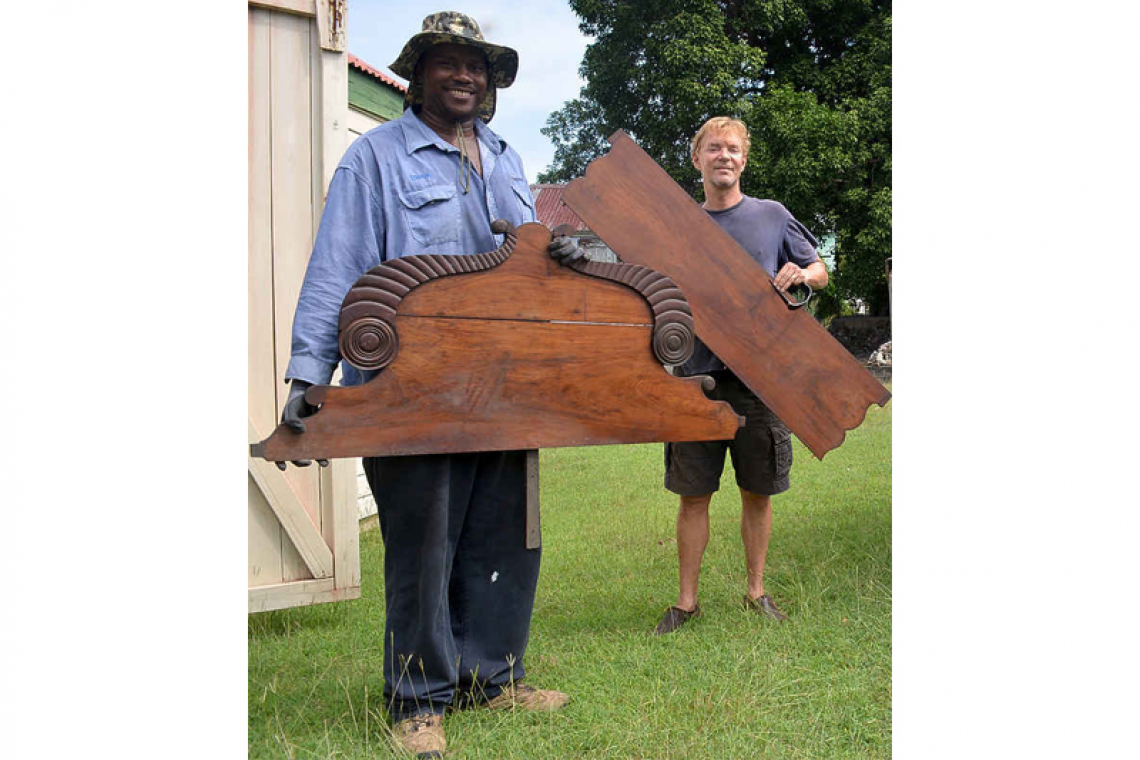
[
  {"x": 507, "y": 350},
  {"x": 783, "y": 355}
]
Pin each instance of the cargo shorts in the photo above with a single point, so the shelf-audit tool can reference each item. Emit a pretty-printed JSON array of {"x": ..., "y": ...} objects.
[{"x": 761, "y": 451}]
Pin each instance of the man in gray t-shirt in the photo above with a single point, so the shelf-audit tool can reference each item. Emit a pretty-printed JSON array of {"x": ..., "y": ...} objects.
[{"x": 762, "y": 449}]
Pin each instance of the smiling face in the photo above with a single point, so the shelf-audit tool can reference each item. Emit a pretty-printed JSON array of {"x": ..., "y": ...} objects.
[
  {"x": 454, "y": 81},
  {"x": 720, "y": 158}
]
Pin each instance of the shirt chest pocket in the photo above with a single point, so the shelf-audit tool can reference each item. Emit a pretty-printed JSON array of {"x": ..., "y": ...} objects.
[{"x": 431, "y": 213}]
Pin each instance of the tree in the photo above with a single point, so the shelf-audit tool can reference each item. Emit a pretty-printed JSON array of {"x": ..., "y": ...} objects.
[{"x": 811, "y": 78}]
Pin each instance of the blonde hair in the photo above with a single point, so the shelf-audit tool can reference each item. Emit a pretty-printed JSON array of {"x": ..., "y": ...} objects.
[{"x": 722, "y": 124}]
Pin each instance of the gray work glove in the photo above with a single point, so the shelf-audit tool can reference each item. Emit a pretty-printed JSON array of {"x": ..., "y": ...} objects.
[
  {"x": 296, "y": 408},
  {"x": 565, "y": 249}
]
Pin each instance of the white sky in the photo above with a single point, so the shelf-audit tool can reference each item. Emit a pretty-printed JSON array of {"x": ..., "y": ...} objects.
[{"x": 544, "y": 32}]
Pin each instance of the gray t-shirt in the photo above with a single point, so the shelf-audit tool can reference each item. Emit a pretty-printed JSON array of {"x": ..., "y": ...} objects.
[{"x": 771, "y": 236}]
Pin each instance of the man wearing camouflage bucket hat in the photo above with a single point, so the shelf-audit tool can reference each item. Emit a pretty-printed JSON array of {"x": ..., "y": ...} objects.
[
  {"x": 455, "y": 28},
  {"x": 459, "y": 582}
]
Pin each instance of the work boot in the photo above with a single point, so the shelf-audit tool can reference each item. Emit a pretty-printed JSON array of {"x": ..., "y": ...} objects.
[
  {"x": 674, "y": 618},
  {"x": 421, "y": 736},
  {"x": 526, "y": 697}
]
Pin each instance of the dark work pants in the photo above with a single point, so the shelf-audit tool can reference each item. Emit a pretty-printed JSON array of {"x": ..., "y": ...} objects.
[{"x": 459, "y": 582}]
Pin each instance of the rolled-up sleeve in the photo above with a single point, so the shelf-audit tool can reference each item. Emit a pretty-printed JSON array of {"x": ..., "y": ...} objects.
[{"x": 349, "y": 242}]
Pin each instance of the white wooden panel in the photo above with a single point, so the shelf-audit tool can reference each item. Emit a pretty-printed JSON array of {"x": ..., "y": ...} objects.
[
  {"x": 285, "y": 595},
  {"x": 264, "y": 554},
  {"x": 342, "y": 528},
  {"x": 272, "y": 556},
  {"x": 303, "y": 545},
  {"x": 330, "y": 123},
  {"x": 301, "y": 7},
  {"x": 294, "y": 519},
  {"x": 359, "y": 123},
  {"x": 262, "y": 376},
  {"x": 293, "y": 567},
  {"x": 365, "y": 504},
  {"x": 270, "y": 551},
  {"x": 291, "y": 162}
]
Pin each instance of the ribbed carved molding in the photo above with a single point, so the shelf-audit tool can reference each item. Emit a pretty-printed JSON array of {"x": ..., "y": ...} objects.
[
  {"x": 673, "y": 336},
  {"x": 368, "y": 339}
]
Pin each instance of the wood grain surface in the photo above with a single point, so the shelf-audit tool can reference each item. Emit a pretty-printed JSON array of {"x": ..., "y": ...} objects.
[
  {"x": 529, "y": 354},
  {"x": 784, "y": 356}
]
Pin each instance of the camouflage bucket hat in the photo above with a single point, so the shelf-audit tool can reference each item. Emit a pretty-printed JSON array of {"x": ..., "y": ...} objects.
[{"x": 461, "y": 29}]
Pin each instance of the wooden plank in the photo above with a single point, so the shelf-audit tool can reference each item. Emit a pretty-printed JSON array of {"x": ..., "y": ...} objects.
[
  {"x": 298, "y": 7},
  {"x": 803, "y": 374},
  {"x": 329, "y": 95},
  {"x": 329, "y": 121},
  {"x": 272, "y": 557},
  {"x": 533, "y": 514},
  {"x": 529, "y": 287},
  {"x": 289, "y": 140},
  {"x": 264, "y": 540},
  {"x": 297, "y": 594},
  {"x": 342, "y": 524},
  {"x": 292, "y": 201},
  {"x": 262, "y": 370},
  {"x": 492, "y": 385},
  {"x": 331, "y": 24},
  {"x": 293, "y": 564},
  {"x": 291, "y": 161},
  {"x": 294, "y": 519},
  {"x": 494, "y": 374}
]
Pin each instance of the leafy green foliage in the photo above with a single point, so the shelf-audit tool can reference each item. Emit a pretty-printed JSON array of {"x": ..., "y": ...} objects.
[
  {"x": 826, "y": 305},
  {"x": 811, "y": 78}
]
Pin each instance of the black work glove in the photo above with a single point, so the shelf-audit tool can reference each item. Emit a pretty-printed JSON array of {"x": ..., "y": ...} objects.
[
  {"x": 296, "y": 408},
  {"x": 565, "y": 249}
]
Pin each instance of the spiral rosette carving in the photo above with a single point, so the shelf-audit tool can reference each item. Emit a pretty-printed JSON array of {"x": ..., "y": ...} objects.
[
  {"x": 673, "y": 343},
  {"x": 673, "y": 336},
  {"x": 369, "y": 343},
  {"x": 367, "y": 332}
]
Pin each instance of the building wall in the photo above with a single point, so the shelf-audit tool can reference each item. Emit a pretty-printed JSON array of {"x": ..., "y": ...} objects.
[
  {"x": 360, "y": 122},
  {"x": 372, "y": 97}
]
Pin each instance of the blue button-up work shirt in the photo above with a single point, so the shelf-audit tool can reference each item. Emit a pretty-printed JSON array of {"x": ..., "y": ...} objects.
[{"x": 398, "y": 191}]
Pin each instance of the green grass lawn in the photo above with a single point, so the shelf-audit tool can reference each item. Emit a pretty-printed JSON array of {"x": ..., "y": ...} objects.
[{"x": 728, "y": 685}]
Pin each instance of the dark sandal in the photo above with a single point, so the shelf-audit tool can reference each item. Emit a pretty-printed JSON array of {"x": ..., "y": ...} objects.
[
  {"x": 765, "y": 607},
  {"x": 674, "y": 618}
]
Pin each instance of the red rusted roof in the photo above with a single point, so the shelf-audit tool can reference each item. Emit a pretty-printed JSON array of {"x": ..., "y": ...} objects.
[
  {"x": 354, "y": 61},
  {"x": 552, "y": 211}
]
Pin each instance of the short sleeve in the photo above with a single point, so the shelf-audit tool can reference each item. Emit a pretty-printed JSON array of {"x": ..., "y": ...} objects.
[{"x": 799, "y": 244}]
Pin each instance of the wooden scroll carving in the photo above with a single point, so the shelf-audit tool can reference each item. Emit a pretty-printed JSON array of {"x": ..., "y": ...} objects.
[
  {"x": 803, "y": 374},
  {"x": 507, "y": 350}
]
